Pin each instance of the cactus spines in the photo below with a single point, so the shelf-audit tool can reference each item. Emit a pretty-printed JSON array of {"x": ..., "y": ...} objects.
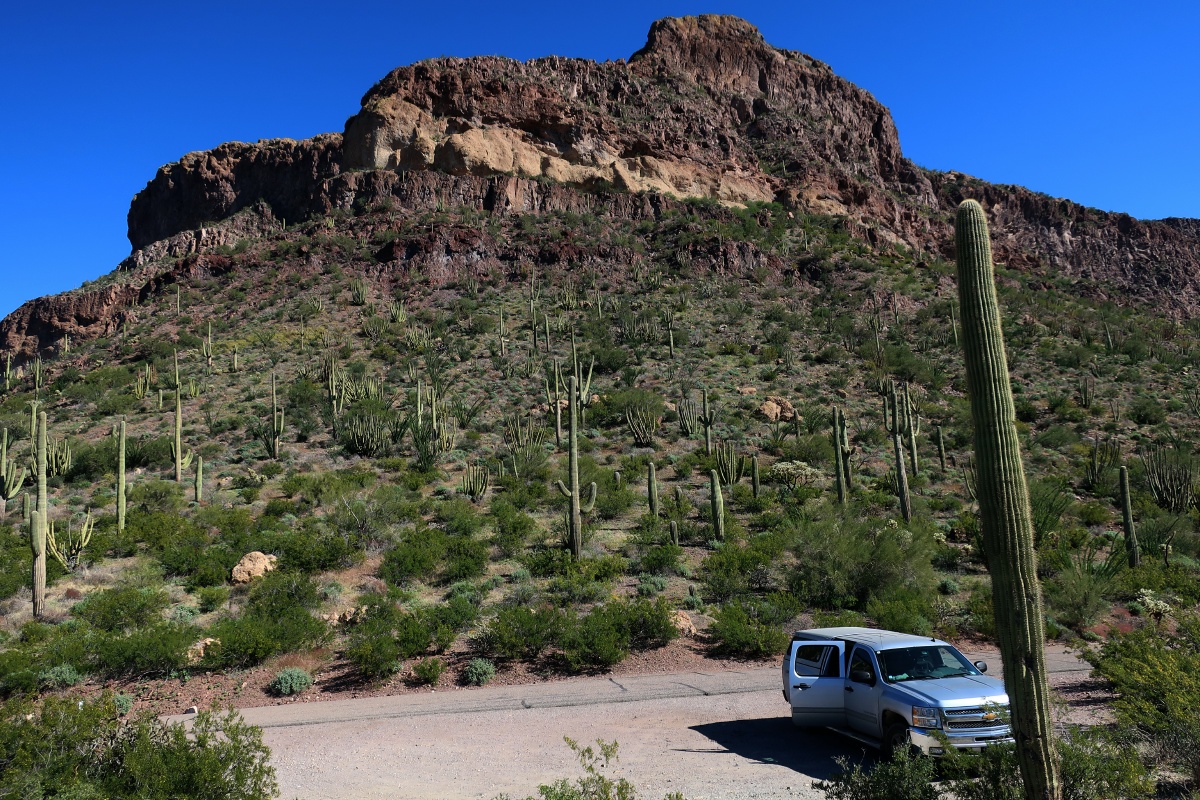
[
  {"x": 574, "y": 494},
  {"x": 121, "y": 477},
  {"x": 755, "y": 482},
  {"x": 652, "y": 489},
  {"x": 893, "y": 422},
  {"x": 1131, "y": 542},
  {"x": 716, "y": 505},
  {"x": 1004, "y": 507}
]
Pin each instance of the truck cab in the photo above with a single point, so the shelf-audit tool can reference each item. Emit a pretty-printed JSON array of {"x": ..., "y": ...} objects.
[{"x": 892, "y": 690}]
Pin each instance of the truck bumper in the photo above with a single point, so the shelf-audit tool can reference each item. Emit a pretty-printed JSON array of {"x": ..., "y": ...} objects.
[{"x": 933, "y": 742}]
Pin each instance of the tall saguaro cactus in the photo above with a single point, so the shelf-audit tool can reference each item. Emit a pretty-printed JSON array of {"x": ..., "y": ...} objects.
[
  {"x": 121, "y": 478},
  {"x": 578, "y": 507},
  {"x": 177, "y": 442},
  {"x": 1004, "y": 507},
  {"x": 1131, "y": 542},
  {"x": 716, "y": 504},
  {"x": 38, "y": 521},
  {"x": 894, "y": 421}
]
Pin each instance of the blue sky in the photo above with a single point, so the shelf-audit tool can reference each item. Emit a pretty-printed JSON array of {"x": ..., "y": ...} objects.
[{"x": 1094, "y": 101}]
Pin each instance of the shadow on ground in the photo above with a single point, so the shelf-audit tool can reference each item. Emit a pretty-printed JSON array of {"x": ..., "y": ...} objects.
[{"x": 774, "y": 740}]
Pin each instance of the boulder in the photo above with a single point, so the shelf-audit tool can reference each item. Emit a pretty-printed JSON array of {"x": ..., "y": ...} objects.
[
  {"x": 253, "y": 565},
  {"x": 683, "y": 623}
]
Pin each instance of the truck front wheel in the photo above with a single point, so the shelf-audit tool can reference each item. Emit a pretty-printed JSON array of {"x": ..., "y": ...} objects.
[{"x": 895, "y": 738}]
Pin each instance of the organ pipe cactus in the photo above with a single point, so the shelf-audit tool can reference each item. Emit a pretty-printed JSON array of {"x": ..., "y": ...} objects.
[
  {"x": 578, "y": 507},
  {"x": 1004, "y": 508},
  {"x": 716, "y": 505},
  {"x": 68, "y": 549},
  {"x": 730, "y": 466},
  {"x": 475, "y": 482}
]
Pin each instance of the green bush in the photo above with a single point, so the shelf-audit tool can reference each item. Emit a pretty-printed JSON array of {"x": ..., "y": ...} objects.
[
  {"x": 63, "y": 747},
  {"x": 597, "y": 640},
  {"x": 513, "y": 528},
  {"x": 157, "y": 649},
  {"x": 373, "y": 651},
  {"x": 478, "y": 672},
  {"x": 210, "y": 598},
  {"x": 415, "y": 557},
  {"x": 292, "y": 680},
  {"x": 428, "y": 671},
  {"x": 905, "y": 777},
  {"x": 122, "y": 608},
  {"x": 738, "y": 631},
  {"x": 60, "y": 677},
  {"x": 524, "y": 632}
]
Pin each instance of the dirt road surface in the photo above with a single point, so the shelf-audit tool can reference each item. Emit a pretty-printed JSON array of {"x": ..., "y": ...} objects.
[{"x": 713, "y": 735}]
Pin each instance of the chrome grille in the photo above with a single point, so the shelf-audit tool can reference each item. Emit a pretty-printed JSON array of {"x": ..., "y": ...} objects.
[{"x": 975, "y": 718}]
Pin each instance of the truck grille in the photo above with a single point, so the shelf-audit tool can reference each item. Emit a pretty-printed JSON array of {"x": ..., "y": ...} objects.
[{"x": 975, "y": 718}]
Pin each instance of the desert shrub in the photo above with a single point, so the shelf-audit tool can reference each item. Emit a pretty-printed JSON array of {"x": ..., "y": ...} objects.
[
  {"x": 738, "y": 631},
  {"x": 307, "y": 550},
  {"x": 428, "y": 671},
  {"x": 122, "y": 608},
  {"x": 1146, "y": 411},
  {"x": 596, "y": 640},
  {"x": 513, "y": 527},
  {"x": 255, "y": 637},
  {"x": 647, "y": 623},
  {"x": 458, "y": 517},
  {"x": 465, "y": 558},
  {"x": 1156, "y": 677},
  {"x": 612, "y": 503},
  {"x": 157, "y": 649},
  {"x": 902, "y": 610},
  {"x": 415, "y": 557},
  {"x": 1079, "y": 595},
  {"x": 373, "y": 651},
  {"x": 156, "y": 496},
  {"x": 459, "y": 611},
  {"x": 905, "y": 777},
  {"x": 62, "y": 747},
  {"x": 123, "y": 703},
  {"x": 59, "y": 677},
  {"x": 292, "y": 680},
  {"x": 663, "y": 560},
  {"x": 525, "y": 632},
  {"x": 478, "y": 672},
  {"x": 210, "y": 598}
]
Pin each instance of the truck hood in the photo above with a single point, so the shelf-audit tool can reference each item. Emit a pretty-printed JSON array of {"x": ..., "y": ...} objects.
[{"x": 965, "y": 692}]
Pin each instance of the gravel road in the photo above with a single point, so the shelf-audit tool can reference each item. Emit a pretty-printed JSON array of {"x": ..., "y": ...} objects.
[{"x": 706, "y": 734}]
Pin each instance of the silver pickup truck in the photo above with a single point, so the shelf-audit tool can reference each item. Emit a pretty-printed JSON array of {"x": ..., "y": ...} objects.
[{"x": 893, "y": 690}]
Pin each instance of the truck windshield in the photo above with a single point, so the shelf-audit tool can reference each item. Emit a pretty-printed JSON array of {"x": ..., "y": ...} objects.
[{"x": 924, "y": 663}]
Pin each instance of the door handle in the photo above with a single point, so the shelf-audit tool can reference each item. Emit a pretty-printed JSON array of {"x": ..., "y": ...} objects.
[
  {"x": 849, "y": 688},
  {"x": 799, "y": 685}
]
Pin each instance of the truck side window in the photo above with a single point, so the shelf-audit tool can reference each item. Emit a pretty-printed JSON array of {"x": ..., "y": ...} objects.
[
  {"x": 861, "y": 660},
  {"x": 816, "y": 659}
]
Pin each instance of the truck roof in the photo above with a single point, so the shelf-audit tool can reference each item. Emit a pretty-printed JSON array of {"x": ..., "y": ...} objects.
[{"x": 876, "y": 639}]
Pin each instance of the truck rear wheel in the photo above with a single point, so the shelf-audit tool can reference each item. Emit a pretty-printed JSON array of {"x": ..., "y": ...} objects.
[{"x": 895, "y": 738}]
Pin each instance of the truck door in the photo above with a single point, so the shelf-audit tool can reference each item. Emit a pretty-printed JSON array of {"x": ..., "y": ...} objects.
[
  {"x": 863, "y": 687},
  {"x": 814, "y": 683}
]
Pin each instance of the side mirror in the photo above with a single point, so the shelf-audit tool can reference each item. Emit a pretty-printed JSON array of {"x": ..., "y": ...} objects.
[
  {"x": 981, "y": 666},
  {"x": 862, "y": 676}
]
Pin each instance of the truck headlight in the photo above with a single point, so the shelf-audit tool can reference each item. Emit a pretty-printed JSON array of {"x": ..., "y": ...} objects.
[{"x": 925, "y": 718}]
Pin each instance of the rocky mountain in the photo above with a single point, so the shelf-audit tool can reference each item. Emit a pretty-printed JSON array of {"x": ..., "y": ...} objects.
[{"x": 706, "y": 110}]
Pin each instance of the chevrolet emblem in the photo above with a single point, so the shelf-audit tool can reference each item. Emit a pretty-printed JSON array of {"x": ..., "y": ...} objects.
[{"x": 990, "y": 716}]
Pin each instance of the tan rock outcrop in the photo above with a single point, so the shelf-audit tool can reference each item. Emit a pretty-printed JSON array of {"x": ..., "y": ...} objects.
[{"x": 253, "y": 565}]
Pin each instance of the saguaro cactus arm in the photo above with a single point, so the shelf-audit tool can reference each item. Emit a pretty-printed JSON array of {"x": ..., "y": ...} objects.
[{"x": 1004, "y": 506}]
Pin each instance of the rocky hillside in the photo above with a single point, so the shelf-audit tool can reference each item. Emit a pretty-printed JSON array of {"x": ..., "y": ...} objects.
[{"x": 707, "y": 109}]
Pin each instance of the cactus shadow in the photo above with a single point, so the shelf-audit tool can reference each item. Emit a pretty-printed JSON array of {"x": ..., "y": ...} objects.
[{"x": 774, "y": 740}]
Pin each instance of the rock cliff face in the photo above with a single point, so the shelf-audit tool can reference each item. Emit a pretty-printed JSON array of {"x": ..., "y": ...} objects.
[{"x": 707, "y": 109}]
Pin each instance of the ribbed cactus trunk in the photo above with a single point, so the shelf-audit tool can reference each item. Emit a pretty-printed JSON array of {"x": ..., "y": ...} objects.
[
  {"x": 39, "y": 521},
  {"x": 1004, "y": 507},
  {"x": 198, "y": 485},
  {"x": 121, "y": 478},
  {"x": 1131, "y": 542},
  {"x": 717, "y": 505},
  {"x": 893, "y": 419},
  {"x": 941, "y": 448},
  {"x": 838, "y": 454},
  {"x": 652, "y": 489},
  {"x": 755, "y": 478},
  {"x": 178, "y": 424},
  {"x": 578, "y": 507}
]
